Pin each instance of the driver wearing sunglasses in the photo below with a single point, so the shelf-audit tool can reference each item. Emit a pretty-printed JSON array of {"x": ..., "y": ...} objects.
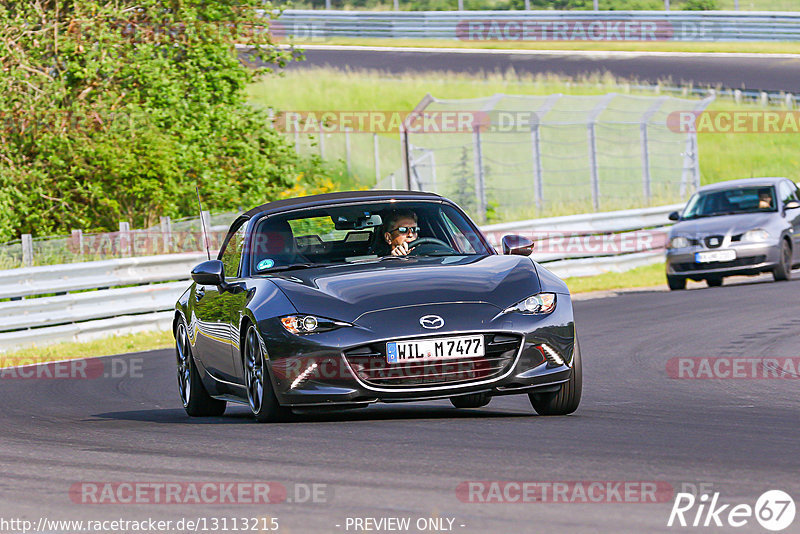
[{"x": 401, "y": 229}]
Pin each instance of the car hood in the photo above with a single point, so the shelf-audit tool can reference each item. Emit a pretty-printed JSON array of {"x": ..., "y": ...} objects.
[
  {"x": 345, "y": 292},
  {"x": 723, "y": 225}
]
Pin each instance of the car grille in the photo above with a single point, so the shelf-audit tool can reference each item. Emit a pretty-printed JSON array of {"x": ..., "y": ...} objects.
[
  {"x": 369, "y": 363},
  {"x": 738, "y": 262}
]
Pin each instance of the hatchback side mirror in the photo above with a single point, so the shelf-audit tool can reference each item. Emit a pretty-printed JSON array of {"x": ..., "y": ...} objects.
[
  {"x": 791, "y": 205},
  {"x": 209, "y": 273},
  {"x": 517, "y": 245},
  {"x": 674, "y": 216}
]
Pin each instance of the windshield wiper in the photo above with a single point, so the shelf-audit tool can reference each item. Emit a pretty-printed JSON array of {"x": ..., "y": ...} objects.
[{"x": 291, "y": 267}]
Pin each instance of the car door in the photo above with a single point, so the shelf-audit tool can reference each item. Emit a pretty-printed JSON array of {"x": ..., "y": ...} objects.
[
  {"x": 217, "y": 311},
  {"x": 788, "y": 192}
]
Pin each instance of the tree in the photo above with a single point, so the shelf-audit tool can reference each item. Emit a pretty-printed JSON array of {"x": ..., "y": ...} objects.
[{"x": 113, "y": 109}]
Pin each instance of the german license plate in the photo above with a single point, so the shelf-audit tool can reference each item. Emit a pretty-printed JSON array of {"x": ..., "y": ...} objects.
[
  {"x": 434, "y": 349},
  {"x": 715, "y": 255}
]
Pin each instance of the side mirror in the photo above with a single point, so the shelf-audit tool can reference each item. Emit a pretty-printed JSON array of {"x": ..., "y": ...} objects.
[
  {"x": 518, "y": 245},
  {"x": 674, "y": 216},
  {"x": 791, "y": 205},
  {"x": 209, "y": 273}
]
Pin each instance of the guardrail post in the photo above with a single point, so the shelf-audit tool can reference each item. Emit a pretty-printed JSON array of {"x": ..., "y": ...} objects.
[
  {"x": 321, "y": 141},
  {"x": 480, "y": 186},
  {"x": 737, "y": 96},
  {"x": 166, "y": 234},
  {"x": 764, "y": 99},
  {"x": 27, "y": 250},
  {"x": 789, "y": 100},
  {"x": 376, "y": 155},
  {"x": 124, "y": 238},
  {"x": 296, "y": 136}
]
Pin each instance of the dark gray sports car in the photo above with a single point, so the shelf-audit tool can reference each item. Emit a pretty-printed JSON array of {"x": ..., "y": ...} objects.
[{"x": 346, "y": 299}]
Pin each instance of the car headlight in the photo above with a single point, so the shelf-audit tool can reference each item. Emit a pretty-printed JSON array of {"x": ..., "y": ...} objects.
[
  {"x": 755, "y": 236},
  {"x": 310, "y": 324},
  {"x": 540, "y": 304},
  {"x": 678, "y": 242}
]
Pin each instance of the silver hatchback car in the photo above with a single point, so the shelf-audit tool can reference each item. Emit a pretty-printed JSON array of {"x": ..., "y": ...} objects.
[{"x": 737, "y": 227}]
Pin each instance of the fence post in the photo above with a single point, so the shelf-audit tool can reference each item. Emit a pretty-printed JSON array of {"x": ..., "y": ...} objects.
[
  {"x": 347, "y": 148},
  {"x": 592, "y": 122},
  {"x": 737, "y": 96},
  {"x": 27, "y": 250},
  {"x": 646, "y": 179},
  {"x": 527, "y": 5},
  {"x": 166, "y": 234},
  {"x": 396, "y": 5},
  {"x": 321, "y": 141},
  {"x": 789, "y": 101},
  {"x": 461, "y": 5},
  {"x": 296, "y": 136},
  {"x": 480, "y": 186},
  {"x": 124, "y": 238},
  {"x": 376, "y": 154},
  {"x": 77, "y": 240},
  {"x": 406, "y": 157},
  {"x": 764, "y": 99},
  {"x": 666, "y": 5},
  {"x": 538, "y": 189}
]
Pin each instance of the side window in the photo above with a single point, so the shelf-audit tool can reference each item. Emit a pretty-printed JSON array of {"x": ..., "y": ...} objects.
[
  {"x": 232, "y": 255},
  {"x": 786, "y": 192},
  {"x": 461, "y": 240}
]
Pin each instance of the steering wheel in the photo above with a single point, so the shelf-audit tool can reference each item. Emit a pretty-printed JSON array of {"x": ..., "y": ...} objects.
[{"x": 427, "y": 241}]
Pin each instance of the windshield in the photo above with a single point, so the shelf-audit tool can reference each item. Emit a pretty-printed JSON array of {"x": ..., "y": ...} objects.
[
  {"x": 361, "y": 233},
  {"x": 730, "y": 201}
]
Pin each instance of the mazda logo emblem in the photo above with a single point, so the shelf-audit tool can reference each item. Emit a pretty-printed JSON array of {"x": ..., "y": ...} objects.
[{"x": 431, "y": 322}]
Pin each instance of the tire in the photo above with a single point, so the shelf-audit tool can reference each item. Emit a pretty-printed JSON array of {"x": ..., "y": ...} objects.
[
  {"x": 715, "y": 281},
  {"x": 196, "y": 400},
  {"x": 676, "y": 283},
  {"x": 784, "y": 269},
  {"x": 474, "y": 400},
  {"x": 260, "y": 395},
  {"x": 567, "y": 399}
]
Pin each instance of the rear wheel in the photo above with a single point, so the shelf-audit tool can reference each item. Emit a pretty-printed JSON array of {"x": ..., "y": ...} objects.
[
  {"x": 714, "y": 281},
  {"x": 567, "y": 399},
  {"x": 676, "y": 282},
  {"x": 473, "y": 400},
  {"x": 784, "y": 269},
  {"x": 263, "y": 402},
  {"x": 196, "y": 400}
]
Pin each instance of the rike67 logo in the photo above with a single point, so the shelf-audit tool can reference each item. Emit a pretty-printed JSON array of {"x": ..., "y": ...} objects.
[{"x": 774, "y": 510}]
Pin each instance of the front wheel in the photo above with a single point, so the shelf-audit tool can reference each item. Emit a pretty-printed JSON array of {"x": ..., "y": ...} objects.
[
  {"x": 567, "y": 399},
  {"x": 473, "y": 400},
  {"x": 196, "y": 400},
  {"x": 784, "y": 269},
  {"x": 676, "y": 283},
  {"x": 263, "y": 402}
]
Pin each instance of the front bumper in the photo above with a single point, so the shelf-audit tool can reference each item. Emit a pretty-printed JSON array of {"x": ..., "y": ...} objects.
[
  {"x": 751, "y": 258},
  {"x": 327, "y": 369}
]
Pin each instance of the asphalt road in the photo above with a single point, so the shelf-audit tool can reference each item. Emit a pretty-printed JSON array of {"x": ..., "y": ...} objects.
[
  {"x": 739, "y": 437},
  {"x": 735, "y": 72}
]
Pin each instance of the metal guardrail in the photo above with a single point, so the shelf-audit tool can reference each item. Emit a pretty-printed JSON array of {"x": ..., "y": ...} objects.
[
  {"x": 316, "y": 26},
  {"x": 157, "y": 281}
]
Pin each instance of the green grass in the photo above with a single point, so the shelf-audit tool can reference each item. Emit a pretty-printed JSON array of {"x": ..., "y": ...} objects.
[
  {"x": 647, "y": 276},
  {"x": 100, "y": 347},
  {"x": 754, "y": 47}
]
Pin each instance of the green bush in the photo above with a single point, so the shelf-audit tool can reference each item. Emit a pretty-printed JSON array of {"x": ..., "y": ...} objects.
[{"x": 115, "y": 110}]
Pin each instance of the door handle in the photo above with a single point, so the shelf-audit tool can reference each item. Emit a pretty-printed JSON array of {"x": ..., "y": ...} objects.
[{"x": 199, "y": 293}]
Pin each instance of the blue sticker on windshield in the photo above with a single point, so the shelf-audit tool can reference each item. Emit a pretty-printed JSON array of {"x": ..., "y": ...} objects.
[{"x": 265, "y": 264}]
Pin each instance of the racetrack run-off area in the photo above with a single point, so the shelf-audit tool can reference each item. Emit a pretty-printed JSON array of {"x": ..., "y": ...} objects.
[{"x": 638, "y": 421}]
